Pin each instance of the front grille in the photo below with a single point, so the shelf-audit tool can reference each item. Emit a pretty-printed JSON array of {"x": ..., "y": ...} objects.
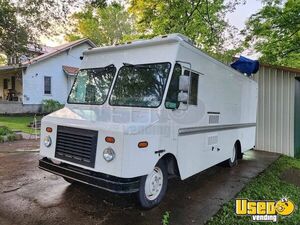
[{"x": 76, "y": 145}]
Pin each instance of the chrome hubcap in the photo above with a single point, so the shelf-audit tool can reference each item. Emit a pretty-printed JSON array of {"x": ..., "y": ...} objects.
[
  {"x": 154, "y": 182},
  {"x": 233, "y": 155}
]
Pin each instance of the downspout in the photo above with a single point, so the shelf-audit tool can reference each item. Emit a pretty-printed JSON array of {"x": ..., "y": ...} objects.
[{"x": 23, "y": 70}]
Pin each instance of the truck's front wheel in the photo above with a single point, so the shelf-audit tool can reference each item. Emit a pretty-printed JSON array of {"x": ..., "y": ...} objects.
[
  {"x": 232, "y": 161},
  {"x": 153, "y": 186}
]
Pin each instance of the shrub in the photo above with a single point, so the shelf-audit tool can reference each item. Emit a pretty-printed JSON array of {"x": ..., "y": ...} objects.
[
  {"x": 165, "y": 219},
  {"x": 5, "y": 131},
  {"x": 6, "y": 134},
  {"x": 50, "y": 105},
  {"x": 11, "y": 137}
]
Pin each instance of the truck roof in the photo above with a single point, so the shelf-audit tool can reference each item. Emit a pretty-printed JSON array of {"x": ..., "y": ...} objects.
[
  {"x": 160, "y": 40},
  {"x": 163, "y": 39}
]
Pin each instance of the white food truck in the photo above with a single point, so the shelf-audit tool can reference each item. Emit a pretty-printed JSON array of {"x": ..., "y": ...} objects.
[{"x": 144, "y": 111}]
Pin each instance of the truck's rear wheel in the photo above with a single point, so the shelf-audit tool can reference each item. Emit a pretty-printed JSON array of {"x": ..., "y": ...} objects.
[
  {"x": 153, "y": 186},
  {"x": 232, "y": 161}
]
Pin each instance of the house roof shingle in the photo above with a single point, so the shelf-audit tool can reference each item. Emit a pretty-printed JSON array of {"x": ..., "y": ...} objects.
[
  {"x": 54, "y": 51},
  {"x": 59, "y": 49}
]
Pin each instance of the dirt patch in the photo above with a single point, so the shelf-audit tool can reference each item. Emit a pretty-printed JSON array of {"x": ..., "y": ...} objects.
[
  {"x": 291, "y": 176},
  {"x": 24, "y": 145}
]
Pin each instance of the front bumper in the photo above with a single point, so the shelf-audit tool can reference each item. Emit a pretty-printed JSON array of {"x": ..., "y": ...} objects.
[{"x": 96, "y": 179}]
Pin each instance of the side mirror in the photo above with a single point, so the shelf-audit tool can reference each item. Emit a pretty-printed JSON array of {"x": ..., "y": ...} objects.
[
  {"x": 183, "y": 97},
  {"x": 184, "y": 86},
  {"x": 184, "y": 83}
]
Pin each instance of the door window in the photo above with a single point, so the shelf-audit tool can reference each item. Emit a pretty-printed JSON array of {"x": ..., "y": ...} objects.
[
  {"x": 172, "y": 95},
  {"x": 193, "y": 96}
]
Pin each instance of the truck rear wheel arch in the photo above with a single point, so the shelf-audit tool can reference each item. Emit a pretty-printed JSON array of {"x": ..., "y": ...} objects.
[
  {"x": 171, "y": 163},
  {"x": 239, "y": 149}
]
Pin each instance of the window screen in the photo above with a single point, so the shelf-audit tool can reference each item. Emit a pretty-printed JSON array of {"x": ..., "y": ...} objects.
[
  {"x": 13, "y": 83},
  {"x": 5, "y": 84},
  {"x": 47, "y": 85}
]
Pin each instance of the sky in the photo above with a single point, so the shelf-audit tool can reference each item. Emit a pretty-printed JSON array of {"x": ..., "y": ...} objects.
[
  {"x": 237, "y": 18},
  {"x": 243, "y": 12},
  {"x": 240, "y": 16}
]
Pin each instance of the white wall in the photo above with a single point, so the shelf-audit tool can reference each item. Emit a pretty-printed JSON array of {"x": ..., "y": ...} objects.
[{"x": 33, "y": 78}]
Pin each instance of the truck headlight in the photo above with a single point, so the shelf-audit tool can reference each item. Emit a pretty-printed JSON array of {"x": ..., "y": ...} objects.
[
  {"x": 47, "y": 141},
  {"x": 109, "y": 154}
]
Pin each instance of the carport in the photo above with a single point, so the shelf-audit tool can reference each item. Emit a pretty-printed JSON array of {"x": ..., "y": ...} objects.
[{"x": 278, "y": 114}]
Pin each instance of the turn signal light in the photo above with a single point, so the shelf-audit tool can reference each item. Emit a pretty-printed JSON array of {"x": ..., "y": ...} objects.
[
  {"x": 49, "y": 129},
  {"x": 143, "y": 144},
  {"x": 110, "y": 139}
]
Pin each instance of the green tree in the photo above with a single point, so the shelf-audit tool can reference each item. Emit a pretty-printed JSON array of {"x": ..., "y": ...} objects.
[
  {"x": 24, "y": 21},
  {"x": 3, "y": 59},
  {"x": 98, "y": 3},
  {"x": 275, "y": 32},
  {"x": 13, "y": 35},
  {"x": 103, "y": 25},
  {"x": 201, "y": 20}
]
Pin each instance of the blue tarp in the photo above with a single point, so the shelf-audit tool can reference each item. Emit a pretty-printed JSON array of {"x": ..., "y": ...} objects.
[{"x": 245, "y": 65}]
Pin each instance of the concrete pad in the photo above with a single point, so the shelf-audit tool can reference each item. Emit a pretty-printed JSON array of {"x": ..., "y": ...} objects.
[
  {"x": 32, "y": 196},
  {"x": 19, "y": 146}
]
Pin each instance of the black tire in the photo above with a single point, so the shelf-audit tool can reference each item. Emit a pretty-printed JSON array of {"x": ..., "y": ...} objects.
[
  {"x": 69, "y": 180},
  {"x": 143, "y": 198},
  {"x": 233, "y": 161},
  {"x": 240, "y": 156}
]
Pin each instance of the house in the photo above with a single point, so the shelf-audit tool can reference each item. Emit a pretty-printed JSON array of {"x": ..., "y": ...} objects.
[
  {"x": 33, "y": 50},
  {"x": 278, "y": 113},
  {"x": 50, "y": 75}
]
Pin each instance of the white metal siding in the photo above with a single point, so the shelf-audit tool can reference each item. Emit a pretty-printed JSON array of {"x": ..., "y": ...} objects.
[{"x": 275, "y": 113}]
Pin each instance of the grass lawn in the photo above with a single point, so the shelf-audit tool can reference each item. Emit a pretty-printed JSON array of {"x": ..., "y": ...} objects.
[
  {"x": 267, "y": 186},
  {"x": 19, "y": 123}
]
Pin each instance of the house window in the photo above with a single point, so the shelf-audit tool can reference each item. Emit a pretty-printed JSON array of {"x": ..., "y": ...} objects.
[
  {"x": 13, "y": 83},
  {"x": 47, "y": 85},
  {"x": 194, "y": 87},
  {"x": 5, "y": 84}
]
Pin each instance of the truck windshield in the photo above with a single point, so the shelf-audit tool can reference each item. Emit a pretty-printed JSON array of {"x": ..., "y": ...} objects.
[
  {"x": 92, "y": 86},
  {"x": 140, "y": 85}
]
